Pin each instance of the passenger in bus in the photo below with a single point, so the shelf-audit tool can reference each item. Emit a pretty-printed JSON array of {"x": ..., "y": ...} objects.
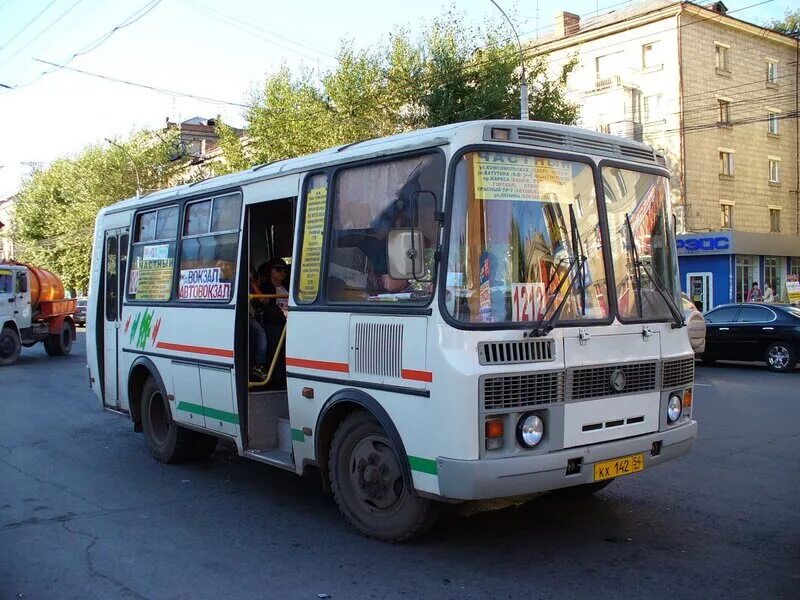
[
  {"x": 258, "y": 337},
  {"x": 272, "y": 277}
]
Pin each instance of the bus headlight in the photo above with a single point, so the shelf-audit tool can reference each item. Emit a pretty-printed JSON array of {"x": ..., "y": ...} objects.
[
  {"x": 674, "y": 408},
  {"x": 530, "y": 430}
]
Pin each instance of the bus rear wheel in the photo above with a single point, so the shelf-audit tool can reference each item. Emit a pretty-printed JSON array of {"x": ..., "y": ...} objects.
[
  {"x": 167, "y": 441},
  {"x": 368, "y": 484}
]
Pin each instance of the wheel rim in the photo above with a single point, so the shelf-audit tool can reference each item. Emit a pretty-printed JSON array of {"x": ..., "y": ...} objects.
[
  {"x": 6, "y": 346},
  {"x": 778, "y": 357},
  {"x": 375, "y": 475},
  {"x": 158, "y": 418}
]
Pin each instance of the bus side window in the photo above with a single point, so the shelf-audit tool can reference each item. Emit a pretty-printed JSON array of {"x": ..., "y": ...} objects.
[
  {"x": 316, "y": 197},
  {"x": 208, "y": 249}
]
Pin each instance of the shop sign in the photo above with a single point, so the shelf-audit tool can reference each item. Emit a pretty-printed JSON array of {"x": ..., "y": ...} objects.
[{"x": 704, "y": 244}]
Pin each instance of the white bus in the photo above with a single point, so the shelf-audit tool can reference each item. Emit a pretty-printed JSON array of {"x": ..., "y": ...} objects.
[{"x": 480, "y": 310}]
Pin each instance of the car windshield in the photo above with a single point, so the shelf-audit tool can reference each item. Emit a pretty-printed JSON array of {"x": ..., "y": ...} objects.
[
  {"x": 525, "y": 236},
  {"x": 6, "y": 282},
  {"x": 638, "y": 209}
]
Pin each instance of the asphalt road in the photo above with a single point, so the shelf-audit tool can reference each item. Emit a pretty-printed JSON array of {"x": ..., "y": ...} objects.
[{"x": 86, "y": 513}]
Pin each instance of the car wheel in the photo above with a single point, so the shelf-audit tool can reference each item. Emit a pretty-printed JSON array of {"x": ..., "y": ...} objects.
[
  {"x": 780, "y": 357},
  {"x": 368, "y": 484}
]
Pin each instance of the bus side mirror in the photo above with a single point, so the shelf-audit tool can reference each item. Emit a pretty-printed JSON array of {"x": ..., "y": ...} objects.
[{"x": 404, "y": 253}]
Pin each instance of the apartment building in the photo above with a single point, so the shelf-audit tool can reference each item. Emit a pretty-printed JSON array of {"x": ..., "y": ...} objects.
[{"x": 718, "y": 97}]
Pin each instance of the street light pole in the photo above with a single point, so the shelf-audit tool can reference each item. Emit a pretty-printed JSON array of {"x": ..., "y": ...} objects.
[
  {"x": 133, "y": 162},
  {"x": 523, "y": 84}
]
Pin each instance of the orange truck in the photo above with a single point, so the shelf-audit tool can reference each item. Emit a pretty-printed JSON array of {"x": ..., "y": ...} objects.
[{"x": 33, "y": 309}]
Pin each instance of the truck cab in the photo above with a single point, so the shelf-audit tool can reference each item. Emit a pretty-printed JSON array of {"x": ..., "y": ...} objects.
[{"x": 26, "y": 319}]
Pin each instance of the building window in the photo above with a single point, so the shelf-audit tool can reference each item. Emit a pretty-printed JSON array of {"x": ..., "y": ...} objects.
[
  {"x": 794, "y": 266},
  {"x": 650, "y": 55},
  {"x": 774, "y": 268},
  {"x": 726, "y": 215},
  {"x": 725, "y": 162},
  {"x": 722, "y": 57},
  {"x": 773, "y": 123},
  {"x": 604, "y": 128},
  {"x": 774, "y": 170},
  {"x": 607, "y": 68},
  {"x": 746, "y": 275},
  {"x": 724, "y": 112},
  {"x": 772, "y": 71},
  {"x": 652, "y": 108},
  {"x": 775, "y": 220}
]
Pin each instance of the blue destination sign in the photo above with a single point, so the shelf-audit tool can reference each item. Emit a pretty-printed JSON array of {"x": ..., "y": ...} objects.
[{"x": 704, "y": 243}]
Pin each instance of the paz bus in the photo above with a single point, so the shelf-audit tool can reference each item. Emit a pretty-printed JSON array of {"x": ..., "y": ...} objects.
[{"x": 475, "y": 311}]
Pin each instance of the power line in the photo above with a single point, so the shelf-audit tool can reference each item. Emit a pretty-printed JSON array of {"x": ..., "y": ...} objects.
[
  {"x": 42, "y": 32},
  {"x": 143, "y": 85},
  {"x": 28, "y": 24},
  {"x": 133, "y": 18}
]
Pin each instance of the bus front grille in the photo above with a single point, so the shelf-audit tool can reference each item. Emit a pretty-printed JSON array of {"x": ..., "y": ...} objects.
[
  {"x": 594, "y": 382},
  {"x": 678, "y": 373},
  {"x": 516, "y": 351},
  {"x": 502, "y": 392}
]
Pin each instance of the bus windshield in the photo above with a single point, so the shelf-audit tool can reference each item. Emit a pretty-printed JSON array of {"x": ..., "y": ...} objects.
[
  {"x": 642, "y": 243},
  {"x": 525, "y": 237}
]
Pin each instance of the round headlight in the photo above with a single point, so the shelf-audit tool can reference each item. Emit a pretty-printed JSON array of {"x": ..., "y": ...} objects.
[
  {"x": 530, "y": 430},
  {"x": 674, "y": 408}
]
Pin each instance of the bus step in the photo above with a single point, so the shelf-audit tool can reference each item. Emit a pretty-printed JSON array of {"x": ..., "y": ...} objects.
[
  {"x": 284, "y": 435},
  {"x": 276, "y": 458}
]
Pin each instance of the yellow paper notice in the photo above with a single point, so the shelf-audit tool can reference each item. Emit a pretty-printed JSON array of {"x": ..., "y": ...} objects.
[
  {"x": 500, "y": 176},
  {"x": 311, "y": 261}
]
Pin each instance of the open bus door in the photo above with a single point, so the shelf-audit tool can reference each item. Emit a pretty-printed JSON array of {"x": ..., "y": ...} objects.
[{"x": 115, "y": 258}]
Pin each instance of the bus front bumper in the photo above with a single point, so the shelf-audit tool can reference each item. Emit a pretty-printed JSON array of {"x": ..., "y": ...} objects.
[{"x": 520, "y": 475}]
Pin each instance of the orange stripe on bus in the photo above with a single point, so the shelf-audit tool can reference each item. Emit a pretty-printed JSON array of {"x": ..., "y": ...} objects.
[
  {"x": 321, "y": 365},
  {"x": 195, "y": 349},
  {"x": 425, "y": 376}
]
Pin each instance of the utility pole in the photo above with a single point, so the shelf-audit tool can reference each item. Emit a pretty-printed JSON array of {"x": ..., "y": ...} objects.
[
  {"x": 523, "y": 84},
  {"x": 133, "y": 162}
]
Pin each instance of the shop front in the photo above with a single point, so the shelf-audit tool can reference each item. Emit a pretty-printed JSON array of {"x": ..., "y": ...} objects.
[{"x": 718, "y": 267}]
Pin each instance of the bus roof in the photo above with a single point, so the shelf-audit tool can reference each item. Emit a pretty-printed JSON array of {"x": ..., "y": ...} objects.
[{"x": 535, "y": 133}]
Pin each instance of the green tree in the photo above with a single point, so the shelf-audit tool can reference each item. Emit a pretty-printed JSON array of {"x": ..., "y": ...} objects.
[
  {"x": 57, "y": 206},
  {"x": 450, "y": 73},
  {"x": 789, "y": 24}
]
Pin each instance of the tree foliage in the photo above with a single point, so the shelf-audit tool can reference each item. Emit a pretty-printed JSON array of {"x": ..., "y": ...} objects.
[
  {"x": 57, "y": 206},
  {"x": 789, "y": 24},
  {"x": 450, "y": 73}
]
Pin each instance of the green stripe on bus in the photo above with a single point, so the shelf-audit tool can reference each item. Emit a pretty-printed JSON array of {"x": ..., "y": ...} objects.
[
  {"x": 297, "y": 435},
  {"x": 423, "y": 465},
  {"x": 212, "y": 413}
]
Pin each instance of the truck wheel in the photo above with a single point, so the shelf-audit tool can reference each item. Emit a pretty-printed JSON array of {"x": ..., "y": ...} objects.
[
  {"x": 60, "y": 344},
  {"x": 167, "y": 441},
  {"x": 780, "y": 357},
  {"x": 368, "y": 484},
  {"x": 9, "y": 347}
]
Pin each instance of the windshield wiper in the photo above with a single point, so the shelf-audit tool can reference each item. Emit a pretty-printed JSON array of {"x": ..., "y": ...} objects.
[
  {"x": 579, "y": 259},
  {"x": 638, "y": 265}
]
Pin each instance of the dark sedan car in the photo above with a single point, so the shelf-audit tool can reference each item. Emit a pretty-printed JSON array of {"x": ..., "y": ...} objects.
[
  {"x": 754, "y": 331},
  {"x": 80, "y": 312}
]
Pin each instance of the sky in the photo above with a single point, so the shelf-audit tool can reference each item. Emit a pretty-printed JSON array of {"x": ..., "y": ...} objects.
[{"x": 218, "y": 50}]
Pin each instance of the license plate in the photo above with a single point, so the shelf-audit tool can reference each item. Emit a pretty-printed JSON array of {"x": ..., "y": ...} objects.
[{"x": 616, "y": 467}]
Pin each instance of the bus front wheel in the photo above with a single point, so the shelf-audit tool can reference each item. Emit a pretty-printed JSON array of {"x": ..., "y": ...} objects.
[
  {"x": 167, "y": 441},
  {"x": 368, "y": 484}
]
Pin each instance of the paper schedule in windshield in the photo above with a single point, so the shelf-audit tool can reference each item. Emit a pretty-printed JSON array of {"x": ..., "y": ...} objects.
[{"x": 500, "y": 176}]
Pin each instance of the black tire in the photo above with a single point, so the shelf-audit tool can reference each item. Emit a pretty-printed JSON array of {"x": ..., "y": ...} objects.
[
  {"x": 368, "y": 485},
  {"x": 60, "y": 344},
  {"x": 167, "y": 441},
  {"x": 780, "y": 357},
  {"x": 9, "y": 347},
  {"x": 585, "y": 489}
]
